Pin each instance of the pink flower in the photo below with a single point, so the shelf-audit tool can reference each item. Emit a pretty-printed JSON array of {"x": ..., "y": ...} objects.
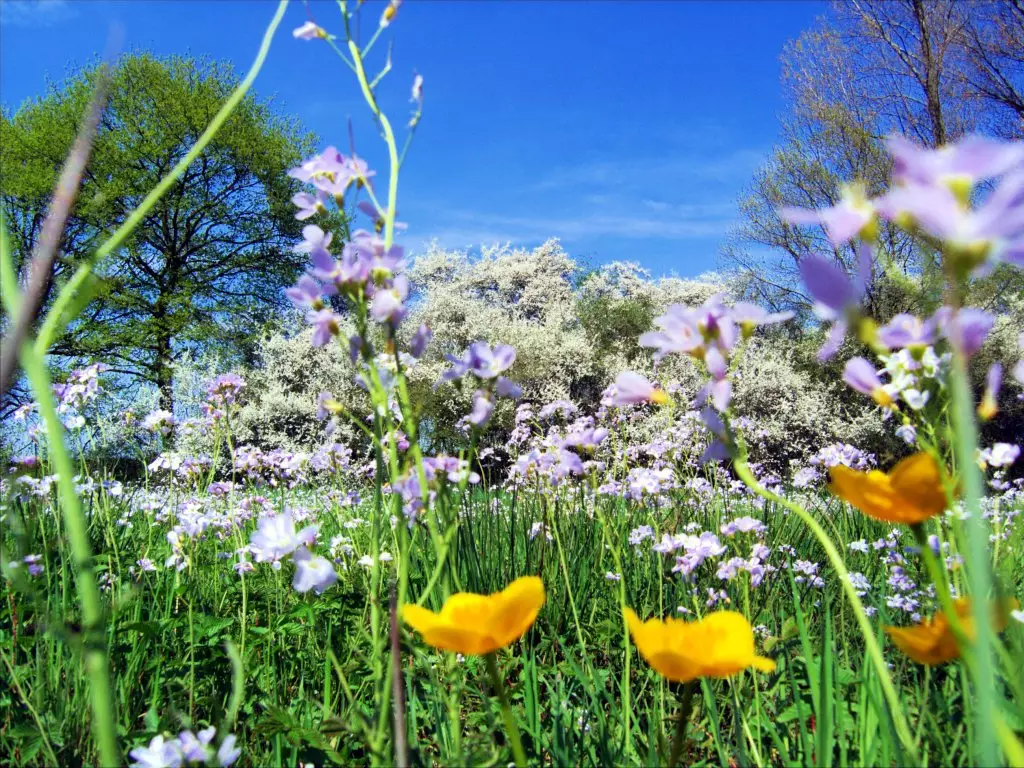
[
  {"x": 853, "y": 215},
  {"x": 861, "y": 376},
  {"x": 309, "y": 205},
  {"x": 309, "y": 31},
  {"x": 632, "y": 388}
]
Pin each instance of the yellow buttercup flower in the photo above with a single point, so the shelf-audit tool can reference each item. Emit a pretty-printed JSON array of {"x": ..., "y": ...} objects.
[
  {"x": 719, "y": 645},
  {"x": 910, "y": 493},
  {"x": 933, "y": 642},
  {"x": 475, "y": 625}
]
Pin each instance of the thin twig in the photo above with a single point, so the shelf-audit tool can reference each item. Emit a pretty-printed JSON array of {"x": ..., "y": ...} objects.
[
  {"x": 45, "y": 252},
  {"x": 398, "y": 689}
]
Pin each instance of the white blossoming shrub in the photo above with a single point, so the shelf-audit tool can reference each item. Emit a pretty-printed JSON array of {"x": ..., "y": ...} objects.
[
  {"x": 793, "y": 413},
  {"x": 1003, "y": 347},
  {"x": 279, "y": 410},
  {"x": 539, "y": 302}
]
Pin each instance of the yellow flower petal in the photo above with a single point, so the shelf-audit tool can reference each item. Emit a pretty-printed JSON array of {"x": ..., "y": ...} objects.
[
  {"x": 460, "y": 640},
  {"x": 911, "y": 493},
  {"x": 419, "y": 618},
  {"x": 467, "y": 608},
  {"x": 474, "y": 624},
  {"x": 918, "y": 479},
  {"x": 673, "y": 665},
  {"x": 933, "y": 641},
  {"x": 719, "y": 645},
  {"x": 516, "y": 608}
]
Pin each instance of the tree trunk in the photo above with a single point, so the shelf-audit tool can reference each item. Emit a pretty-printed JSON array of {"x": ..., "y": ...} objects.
[
  {"x": 932, "y": 73},
  {"x": 163, "y": 371}
]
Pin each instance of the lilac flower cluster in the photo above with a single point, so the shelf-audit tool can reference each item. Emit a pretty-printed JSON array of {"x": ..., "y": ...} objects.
[
  {"x": 930, "y": 196},
  {"x": 485, "y": 366},
  {"x": 186, "y": 748},
  {"x": 368, "y": 271},
  {"x": 708, "y": 333},
  {"x": 836, "y": 454},
  {"x": 438, "y": 471},
  {"x": 80, "y": 389},
  {"x": 276, "y": 537}
]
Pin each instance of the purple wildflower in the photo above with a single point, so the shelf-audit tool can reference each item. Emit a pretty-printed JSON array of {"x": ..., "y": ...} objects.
[
  {"x": 159, "y": 754},
  {"x": 387, "y": 306},
  {"x": 836, "y": 295},
  {"x": 750, "y": 316},
  {"x": 632, "y": 388},
  {"x": 482, "y": 409},
  {"x": 908, "y": 331},
  {"x": 305, "y": 294},
  {"x": 312, "y": 572},
  {"x": 972, "y": 159},
  {"x": 309, "y": 205},
  {"x": 325, "y": 324},
  {"x": 966, "y": 329},
  {"x": 314, "y": 239},
  {"x": 860, "y": 374},
  {"x": 505, "y": 387},
  {"x": 690, "y": 331},
  {"x": 309, "y": 31},
  {"x": 419, "y": 342},
  {"x": 853, "y": 215},
  {"x": 276, "y": 537}
]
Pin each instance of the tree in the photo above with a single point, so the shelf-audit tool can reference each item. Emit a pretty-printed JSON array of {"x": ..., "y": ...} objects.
[
  {"x": 993, "y": 44},
  {"x": 208, "y": 264},
  {"x": 872, "y": 68}
]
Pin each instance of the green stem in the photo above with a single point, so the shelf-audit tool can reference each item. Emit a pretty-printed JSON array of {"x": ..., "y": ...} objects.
[
  {"x": 506, "y": 711},
  {"x": 31, "y": 710},
  {"x": 94, "y": 655},
  {"x": 624, "y": 685},
  {"x": 938, "y": 577},
  {"x": 979, "y": 566},
  {"x": 389, "y": 139},
  {"x": 870, "y": 641},
  {"x": 568, "y": 588},
  {"x": 685, "y": 708}
]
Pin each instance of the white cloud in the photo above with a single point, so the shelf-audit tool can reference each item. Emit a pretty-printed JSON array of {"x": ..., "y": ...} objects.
[
  {"x": 678, "y": 170},
  {"x": 36, "y": 13},
  {"x": 672, "y": 222}
]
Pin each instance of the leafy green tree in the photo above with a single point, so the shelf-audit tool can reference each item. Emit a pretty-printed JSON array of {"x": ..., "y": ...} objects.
[{"x": 207, "y": 266}]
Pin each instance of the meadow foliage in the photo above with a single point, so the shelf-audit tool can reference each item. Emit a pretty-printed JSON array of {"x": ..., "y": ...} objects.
[{"x": 498, "y": 510}]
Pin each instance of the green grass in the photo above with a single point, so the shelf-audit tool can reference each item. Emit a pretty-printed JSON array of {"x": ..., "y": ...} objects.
[{"x": 298, "y": 684}]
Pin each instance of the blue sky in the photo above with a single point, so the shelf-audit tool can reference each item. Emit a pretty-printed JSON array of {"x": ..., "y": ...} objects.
[{"x": 629, "y": 130}]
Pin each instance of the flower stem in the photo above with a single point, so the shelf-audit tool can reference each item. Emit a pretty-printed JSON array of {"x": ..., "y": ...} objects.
[
  {"x": 979, "y": 570},
  {"x": 77, "y": 530},
  {"x": 506, "y": 711},
  {"x": 870, "y": 641},
  {"x": 938, "y": 577},
  {"x": 685, "y": 708}
]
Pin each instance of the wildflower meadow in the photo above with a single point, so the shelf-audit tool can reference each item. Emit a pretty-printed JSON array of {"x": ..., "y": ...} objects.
[{"x": 412, "y": 548}]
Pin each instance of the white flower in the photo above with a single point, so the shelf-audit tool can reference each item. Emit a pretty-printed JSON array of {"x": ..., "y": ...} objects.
[
  {"x": 1003, "y": 454},
  {"x": 227, "y": 754},
  {"x": 915, "y": 398},
  {"x": 276, "y": 537},
  {"x": 312, "y": 572},
  {"x": 159, "y": 754}
]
